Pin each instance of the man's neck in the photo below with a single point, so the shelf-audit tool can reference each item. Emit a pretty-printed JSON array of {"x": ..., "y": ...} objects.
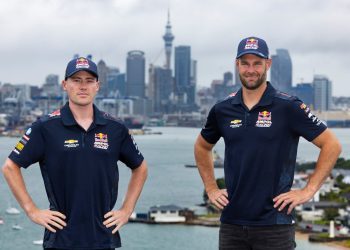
[
  {"x": 252, "y": 97},
  {"x": 83, "y": 115}
]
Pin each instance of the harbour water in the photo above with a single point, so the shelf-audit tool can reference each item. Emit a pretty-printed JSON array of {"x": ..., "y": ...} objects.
[{"x": 169, "y": 182}]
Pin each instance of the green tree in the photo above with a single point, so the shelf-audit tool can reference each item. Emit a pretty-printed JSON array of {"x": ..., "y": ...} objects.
[{"x": 330, "y": 213}]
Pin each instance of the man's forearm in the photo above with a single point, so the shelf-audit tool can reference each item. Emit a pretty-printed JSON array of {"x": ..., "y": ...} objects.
[
  {"x": 327, "y": 158},
  {"x": 204, "y": 161},
  {"x": 14, "y": 178},
  {"x": 137, "y": 180}
]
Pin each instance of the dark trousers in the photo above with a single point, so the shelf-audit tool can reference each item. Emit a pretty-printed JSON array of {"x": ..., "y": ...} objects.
[{"x": 274, "y": 237}]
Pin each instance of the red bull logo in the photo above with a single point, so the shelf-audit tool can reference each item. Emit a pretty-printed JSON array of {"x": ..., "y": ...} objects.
[
  {"x": 82, "y": 63},
  {"x": 101, "y": 141},
  {"x": 232, "y": 94},
  {"x": 55, "y": 113},
  {"x": 264, "y": 115},
  {"x": 251, "y": 44},
  {"x": 264, "y": 119},
  {"x": 101, "y": 136}
]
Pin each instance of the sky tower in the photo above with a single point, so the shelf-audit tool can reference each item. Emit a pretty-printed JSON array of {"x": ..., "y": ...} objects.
[{"x": 168, "y": 39}]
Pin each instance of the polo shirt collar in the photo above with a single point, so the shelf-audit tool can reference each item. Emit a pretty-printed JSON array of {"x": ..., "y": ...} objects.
[
  {"x": 69, "y": 120},
  {"x": 265, "y": 100}
]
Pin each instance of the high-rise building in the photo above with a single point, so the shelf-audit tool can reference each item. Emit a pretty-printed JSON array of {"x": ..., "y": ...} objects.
[
  {"x": 160, "y": 88},
  {"x": 135, "y": 74},
  {"x": 237, "y": 79},
  {"x": 323, "y": 93},
  {"x": 168, "y": 39},
  {"x": 191, "y": 89},
  {"x": 182, "y": 68},
  {"x": 281, "y": 70},
  {"x": 228, "y": 78},
  {"x": 51, "y": 87},
  {"x": 222, "y": 88},
  {"x": 112, "y": 81},
  {"x": 305, "y": 92},
  {"x": 121, "y": 84},
  {"x": 102, "y": 78}
]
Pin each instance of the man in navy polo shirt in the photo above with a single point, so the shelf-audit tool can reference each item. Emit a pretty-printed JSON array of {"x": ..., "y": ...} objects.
[
  {"x": 261, "y": 128},
  {"x": 78, "y": 148}
]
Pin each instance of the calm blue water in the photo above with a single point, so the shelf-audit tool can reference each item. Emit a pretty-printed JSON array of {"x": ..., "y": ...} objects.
[{"x": 169, "y": 182}]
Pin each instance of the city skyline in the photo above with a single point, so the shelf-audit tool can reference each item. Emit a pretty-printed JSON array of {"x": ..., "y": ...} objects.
[{"x": 37, "y": 45}]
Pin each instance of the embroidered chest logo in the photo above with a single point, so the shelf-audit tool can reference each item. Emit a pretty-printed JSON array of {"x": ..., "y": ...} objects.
[
  {"x": 71, "y": 143},
  {"x": 235, "y": 123},
  {"x": 264, "y": 120},
  {"x": 101, "y": 141}
]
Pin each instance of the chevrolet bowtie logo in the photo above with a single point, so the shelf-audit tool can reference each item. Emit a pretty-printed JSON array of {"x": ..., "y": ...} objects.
[{"x": 236, "y": 121}]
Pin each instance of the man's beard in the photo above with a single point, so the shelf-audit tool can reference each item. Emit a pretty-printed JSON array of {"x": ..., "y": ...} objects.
[{"x": 256, "y": 84}]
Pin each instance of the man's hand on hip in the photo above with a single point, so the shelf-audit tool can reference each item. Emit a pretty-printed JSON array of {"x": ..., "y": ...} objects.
[
  {"x": 292, "y": 199},
  {"x": 218, "y": 197},
  {"x": 48, "y": 218},
  {"x": 116, "y": 218}
]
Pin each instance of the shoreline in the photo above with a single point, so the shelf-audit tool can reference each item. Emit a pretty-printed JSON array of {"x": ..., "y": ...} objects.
[{"x": 305, "y": 236}]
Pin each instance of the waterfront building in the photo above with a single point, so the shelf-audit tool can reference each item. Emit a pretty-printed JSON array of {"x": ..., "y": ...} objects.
[{"x": 166, "y": 214}]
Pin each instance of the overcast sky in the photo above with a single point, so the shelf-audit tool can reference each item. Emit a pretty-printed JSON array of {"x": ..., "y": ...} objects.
[{"x": 38, "y": 37}]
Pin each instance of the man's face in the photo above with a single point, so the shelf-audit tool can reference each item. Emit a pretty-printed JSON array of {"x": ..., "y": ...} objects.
[
  {"x": 81, "y": 88},
  {"x": 252, "y": 70}
]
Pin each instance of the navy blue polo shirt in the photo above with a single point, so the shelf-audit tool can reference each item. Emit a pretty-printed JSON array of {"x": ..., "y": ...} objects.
[
  {"x": 260, "y": 152},
  {"x": 80, "y": 173}
]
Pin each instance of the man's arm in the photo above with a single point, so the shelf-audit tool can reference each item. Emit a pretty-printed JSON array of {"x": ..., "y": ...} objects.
[
  {"x": 46, "y": 218},
  {"x": 204, "y": 160},
  {"x": 330, "y": 151},
  {"x": 121, "y": 216}
]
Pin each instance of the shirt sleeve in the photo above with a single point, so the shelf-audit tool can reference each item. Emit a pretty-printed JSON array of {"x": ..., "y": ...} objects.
[
  {"x": 130, "y": 154},
  {"x": 304, "y": 123},
  {"x": 30, "y": 148},
  {"x": 210, "y": 132}
]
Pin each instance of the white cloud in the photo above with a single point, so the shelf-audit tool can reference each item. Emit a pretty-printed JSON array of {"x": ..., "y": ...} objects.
[{"x": 40, "y": 36}]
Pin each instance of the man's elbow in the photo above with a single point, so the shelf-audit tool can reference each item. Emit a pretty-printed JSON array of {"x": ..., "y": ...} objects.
[
  {"x": 142, "y": 170},
  {"x": 337, "y": 147},
  {"x": 8, "y": 168},
  {"x": 5, "y": 168}
]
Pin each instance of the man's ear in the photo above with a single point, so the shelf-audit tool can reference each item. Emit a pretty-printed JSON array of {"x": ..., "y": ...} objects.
[
  {"x": 98, "y": 85},
  {"x": 64, "y": 83},
  {"x": 237, "y": 62},
  {"x": 268, "y": 63}
]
